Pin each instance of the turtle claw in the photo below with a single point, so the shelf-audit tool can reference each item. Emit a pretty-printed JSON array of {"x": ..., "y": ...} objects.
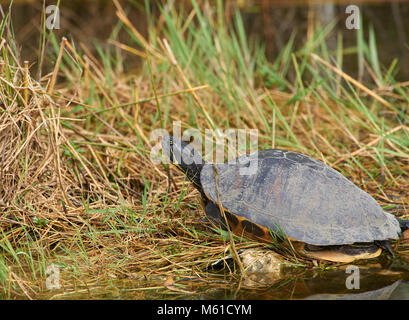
[
  {"x": 385, "y": 244},
  {"x": 404, "y": 224}
]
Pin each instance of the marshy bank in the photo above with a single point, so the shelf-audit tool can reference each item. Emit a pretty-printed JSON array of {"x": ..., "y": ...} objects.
[{"x": 84, "y": 211}]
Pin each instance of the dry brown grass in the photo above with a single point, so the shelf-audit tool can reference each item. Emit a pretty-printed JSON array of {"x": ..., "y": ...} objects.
[{"x": 79, "y": 189}]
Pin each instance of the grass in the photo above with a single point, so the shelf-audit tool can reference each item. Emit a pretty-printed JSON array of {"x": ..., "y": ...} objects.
[{"x": 79, "y": 189}]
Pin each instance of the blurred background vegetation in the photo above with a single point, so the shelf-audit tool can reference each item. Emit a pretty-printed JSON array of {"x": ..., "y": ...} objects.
[{"x": 272, "y": 22}]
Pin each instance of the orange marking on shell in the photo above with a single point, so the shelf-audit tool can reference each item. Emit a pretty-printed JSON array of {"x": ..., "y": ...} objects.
[
  {"x": 338, "y": 256},
  {"x": 238, "y": 181},
  {"x": 240, "y": 231}
]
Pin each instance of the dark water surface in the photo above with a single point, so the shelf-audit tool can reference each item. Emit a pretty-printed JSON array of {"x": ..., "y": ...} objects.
[{"x": 370, "y": 281}]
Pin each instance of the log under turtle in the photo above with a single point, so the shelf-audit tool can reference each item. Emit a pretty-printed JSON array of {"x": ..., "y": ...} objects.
[{"x": 316, "y": 207}]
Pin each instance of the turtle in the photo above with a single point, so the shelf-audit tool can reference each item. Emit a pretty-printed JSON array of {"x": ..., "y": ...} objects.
[{"x": 323, "y": 213}]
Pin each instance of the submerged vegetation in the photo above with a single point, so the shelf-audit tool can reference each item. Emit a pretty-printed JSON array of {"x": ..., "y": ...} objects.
[{"x": 79, "y": 189}]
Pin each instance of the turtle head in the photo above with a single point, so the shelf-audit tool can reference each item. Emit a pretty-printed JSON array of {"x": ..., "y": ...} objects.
[{"x": 185, "y": 157}]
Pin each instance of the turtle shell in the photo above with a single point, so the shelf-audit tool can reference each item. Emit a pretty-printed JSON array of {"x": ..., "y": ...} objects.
[{"x": 302, "y": 197}]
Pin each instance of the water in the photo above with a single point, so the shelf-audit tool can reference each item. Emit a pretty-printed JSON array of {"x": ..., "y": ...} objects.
[{"x": 381, "y": 279}]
